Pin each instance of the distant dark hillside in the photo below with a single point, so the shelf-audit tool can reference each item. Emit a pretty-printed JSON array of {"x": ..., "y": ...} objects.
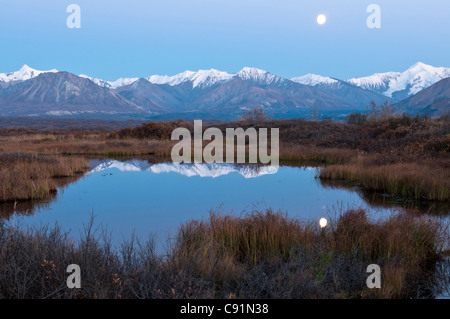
[
  {"x": 434, "y": 100},
  {"x": 64, "y": 124}
]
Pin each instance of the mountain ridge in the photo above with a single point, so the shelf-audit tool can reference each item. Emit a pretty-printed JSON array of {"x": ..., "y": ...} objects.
[
  {"x": 213, "y": 76},
  {"x": 25, "y": 92}
]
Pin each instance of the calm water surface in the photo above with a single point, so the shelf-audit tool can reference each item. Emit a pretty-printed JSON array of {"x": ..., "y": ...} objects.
[{"x": 135, "y": 196}]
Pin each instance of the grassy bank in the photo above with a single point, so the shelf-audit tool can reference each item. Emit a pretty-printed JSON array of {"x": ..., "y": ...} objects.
[
  {"x": 80, "y": 143},
  {"x": 25, "y": 176},
  {"x": 260, "y": 255},
  {"x": 406, "y": 180}
]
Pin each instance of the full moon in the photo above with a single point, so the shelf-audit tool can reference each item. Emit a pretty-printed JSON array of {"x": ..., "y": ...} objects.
[
  {"x": 323, "y": 222},
  {"x": 321, "y": 19}
]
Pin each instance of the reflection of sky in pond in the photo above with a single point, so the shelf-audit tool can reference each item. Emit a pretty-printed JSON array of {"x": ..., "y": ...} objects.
[{"x": 137, "y": 196}]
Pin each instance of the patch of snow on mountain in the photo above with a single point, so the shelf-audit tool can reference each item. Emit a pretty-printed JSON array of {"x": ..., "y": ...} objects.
[
  {"x": 172, "y": 80},
  {"x": 260, "y": 76},
  {"x": 110, "y": 84},
  {"x": 99, "y": 82},
  {"x": 314, "y": 80},
  {"x": 159, "y": 79},
  {"x": 375, "y": 81},
  {"x": 201, "y": 78},
  {"x": 122, "y": 82}
]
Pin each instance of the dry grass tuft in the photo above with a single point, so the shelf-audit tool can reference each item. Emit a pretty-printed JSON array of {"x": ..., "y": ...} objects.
[
  {"x": 25, "y": 176},
  {"x": 407, "y": 180}
]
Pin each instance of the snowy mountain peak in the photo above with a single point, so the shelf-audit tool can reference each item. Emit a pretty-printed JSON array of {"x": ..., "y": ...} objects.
[
  {"x": 24, "y": 73},
  {"x": 201, "y": 78},
  {"x": 400, "y": 85},
  {"x": 25, "y": 68},
  {"x": 315, "y": 80},
  {"x": 205, "y": 78},
  {"x": 258, "y": 75},
  {"x": 421, "y": 66},
  {"x": 418, "y": 77},
  {"x": 251, "y": 73}
]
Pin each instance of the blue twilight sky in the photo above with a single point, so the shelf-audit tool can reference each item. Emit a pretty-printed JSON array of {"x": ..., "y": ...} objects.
[{"x": 137, "y": 38}]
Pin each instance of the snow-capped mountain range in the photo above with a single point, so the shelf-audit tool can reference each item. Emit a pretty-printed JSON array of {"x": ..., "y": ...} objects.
[
  {"x": 33, "y": 92},
  {"x": 201, "y": 78},
  {"x": 395, "y": 85},
  {"x": 414, "y": 79}
]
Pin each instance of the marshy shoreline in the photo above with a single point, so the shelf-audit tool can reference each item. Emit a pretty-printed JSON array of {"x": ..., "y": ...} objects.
[{"x": 260, "y": 255}]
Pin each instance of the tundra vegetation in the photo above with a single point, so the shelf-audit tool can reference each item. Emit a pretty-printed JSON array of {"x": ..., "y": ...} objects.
[{"x": 262, "y": 254}]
